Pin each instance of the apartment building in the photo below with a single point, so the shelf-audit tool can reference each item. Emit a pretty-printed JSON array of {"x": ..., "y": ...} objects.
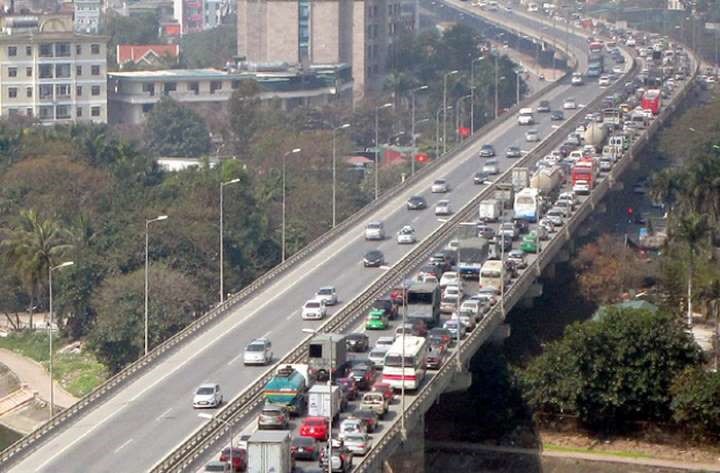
[
  {"x": 87, "y": 16},
  {"x": 51, "y": 73},
  {"x": 356, "y": 32}
]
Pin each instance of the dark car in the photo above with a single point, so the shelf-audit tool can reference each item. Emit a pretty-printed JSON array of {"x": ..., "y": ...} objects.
[
  {"x": 344, "y": 457},
  {"x": 357, "y": 342},
  {"x": 239, "y": 458},
  {"x": 450, "y": 255},
  {"x": 481, "y": 177},
  {"x": 438, "y": 342},
  {"x": 440, "y": 261},
  {"x": 435, "y": 357},
  {"x": 442, "y": 333},
  {"x": 370, "y": 418},
  {"x": 513, "y": 152},
  {"x": 430, "y": 270},
  {"x": 364, "y": 375},
  {"x": 557, "y": 115},
  {"x": 485, "y": 231},
  {"x": 487, "y": 151},
  {"x": 419, "y": 326},
  {"x": 522, "y": 225},
  {"x": 349, "y": 387},
  {"x": 373, "y": 259},
  {"x": 543, "y": 106},
  {"x": 386, "y": 305},
  {"x": 416, "y": 202},
  {"x": 304, "y": 448}
]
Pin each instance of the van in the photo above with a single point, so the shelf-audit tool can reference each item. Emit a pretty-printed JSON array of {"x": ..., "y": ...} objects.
[
  {"x": 375, "y": 402},
  {"x": 375, "y": 231},
  {"x": 525, "y": 116}
]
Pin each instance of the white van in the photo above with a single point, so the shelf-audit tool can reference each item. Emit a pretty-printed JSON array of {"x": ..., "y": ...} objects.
[{"x": 525, "y": 116}]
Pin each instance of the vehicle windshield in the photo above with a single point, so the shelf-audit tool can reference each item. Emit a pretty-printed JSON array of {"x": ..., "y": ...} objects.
[
  {"x": 312, "y": 305},
  {"x": 204, "y": 391},
  {"x": 325, "y": 292},
  {"x": 255, "y": 347}
]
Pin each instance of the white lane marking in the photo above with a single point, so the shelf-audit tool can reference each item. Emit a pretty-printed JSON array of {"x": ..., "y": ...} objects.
[
  {"x": 267, "y": 334},
  {"x": 122, "y": 446},
  {"x": 415, "y": 219},
  {"x": 235, "y": 358},
  {"x": 292, "y": 314},
  {"x": 164, "y": 414}
]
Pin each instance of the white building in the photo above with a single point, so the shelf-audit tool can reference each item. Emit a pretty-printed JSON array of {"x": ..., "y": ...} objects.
[{"x": 87, "y": 16}]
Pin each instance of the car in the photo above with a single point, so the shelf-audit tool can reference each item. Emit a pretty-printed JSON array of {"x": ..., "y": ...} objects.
[
  {"x": 304, "y": 448},
  {"x": 565, "y": 205},
  {"x": 375, "y": 231},
  {"x": 581, "y": 187},
  {"x": 435, "y": 357},
  {"x": 442, "y": 334},
  {"x": 518, "y": 258},
  {"x": 439, "y": 186},
  {"x": 431, "y": 270},
  {"x": 487, "y": 151},
  {"x": 569, "y": 104},
  {"x": 364, "y": 375},
  {"x": 472, "y": 306},
  {"x": 358, "y": 443},
  {"x": 313, "y": 309},
  {"x": 352, "y": 425},
  {"x": 386, "y": 341},
  {"x": 237, "y": 458},
  {"x": 373, "y": 259},
  {"x": 408, "y": 328},
  {"x": 357, "y": 342},
  {"x": 328, "y": 295},
  {"x": 543, "y": 106},
  {"x": 406, "y": 235},
  {"x": 207, "y": 395},
  {"x": 315, "y": 427},
  {"x": 603, "y": 81},
  {"x": 485, "y": 231},
  {"x": 510, "y": 230},
  {"x": 453, "y": 326},
  {"x": 568, "y": 196},
  {"x": 416, "y": 202},
  {"x": 385, "y": 389},
  {"x": 529, "y": 243},
  {"x": 216, "y": 465},
  {"x": 443, "y": 207},
  {"x": 273, "y": 417},
  {"x": 557, "y": 115},
  {"x": 556, "y": 215},
  {"x": 258, "y": 352},
  {"x": 449, "y": 278},
  {"x": 377, "y": 319},
  {"x": 481, "y": 177},
  {"x": 513, "y": 152},
  {"x": 386, "y": 305},
  {"x": 342, "y": 458},
  {"x": 466, "y": 318},
  {"x": 577, "y": 79},
  {"x": 369, "y": 418},
  {"x": 377, "y": 357},
  {"x": 532, "y": 136},
  {"x": 349, "y": 388},
  {"x": 491, "y": 167}
]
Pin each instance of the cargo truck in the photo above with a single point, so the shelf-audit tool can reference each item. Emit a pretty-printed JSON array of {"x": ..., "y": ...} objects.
[
  {"x": 269, "y": 452},
  {"x": 327, "y": 354},
  {"x": 472, "y": 253},
  {"x": 585, "y": 171},
  {"x": 490, "y": 210},
  {"x": 287, "y": 388},
  {"x": 423, "y": 303},
  {"x": 322, "y": 401}
]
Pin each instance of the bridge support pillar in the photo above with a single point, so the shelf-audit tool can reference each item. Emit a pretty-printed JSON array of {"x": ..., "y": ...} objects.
[
  {"x": 563, "y": 256},
  {"x": 410, "y": 456},
  {"x": 548, "y": 272}
]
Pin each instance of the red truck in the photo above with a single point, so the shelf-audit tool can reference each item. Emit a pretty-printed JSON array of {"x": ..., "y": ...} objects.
[
  {"x": 651, "y": 101},
  {"x": 584, "y": 171}
]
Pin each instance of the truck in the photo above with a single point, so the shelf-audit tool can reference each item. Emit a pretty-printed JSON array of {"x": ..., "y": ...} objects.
[
  {"x": 520, "y": 178},
  {"x": 595, "y": 135},
  {"x": 423, "y": 303},
  {"x": 327, "y": 354},
  {"x": 651, "y": 101},
  {"x": 547, "y": 180},
  {"x": 472, "y": 252},
  {"x": 287, "y": 388},
  {"x": 322, "y": 401},
  {"x": 585, "y": 170},
  {"x": 268, "y": 451},
  {"x": 504, "y": 193},
  {"x": 596, "y": 65},
  {"x": 490, "y": 210},
  {"x": 525, "y": 116}
]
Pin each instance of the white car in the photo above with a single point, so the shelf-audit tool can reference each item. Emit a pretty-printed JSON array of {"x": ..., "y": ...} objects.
[
  {"x": 439, "y": 186},
  {"x": 375, "y": 231},
  {"x": 377, "y": 356},
  {"x": 384, "y": 342},
  {"x": 556, "y": 216},
  {"x": 581, "y": 188},
  {"x": 449, "y": 278},
  {"x": 207, "y": 395},
  {"x": 313, "y": 310},
  {"x": 406, "y": 235},
  {"x": 443, "y": 208},
  {"x": 603, "y": 81},
  {"x": 258, "y": 352},
  {"x": 491, "y": 167},
  {"x": 357, "y": 443},
  {"x": 532, "y": 136},
  {"x": 327, "y": 294},
  {"x": 570, "y": 104},
  {"x": 351, "y": 426},
  {"x": 472, "y": 306},
  {"x": 577, "y": 79},
  {"x": 518, "y": 258}
]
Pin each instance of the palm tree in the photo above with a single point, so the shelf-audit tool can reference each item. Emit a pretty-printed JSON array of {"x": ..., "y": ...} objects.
[
  {"x": 710, "y": 295},
  {"x": 665, "y": 186},
  {"x": 692, "y": 229},
  {"x": 32, "y": 248}
]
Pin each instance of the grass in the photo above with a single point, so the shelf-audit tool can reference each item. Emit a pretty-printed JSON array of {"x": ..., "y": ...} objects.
[
  {"x": 615, "y": 453},
  {"x": 77, "y": 373}
]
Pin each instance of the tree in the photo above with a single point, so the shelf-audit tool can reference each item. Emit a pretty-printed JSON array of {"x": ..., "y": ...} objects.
[
  {"x": 692, "y": 229},
  {"x": 133, "y": 29},
  {"x": 211, "y": 48},
  {"x": 118, "y": 335},
  {"x": 245, "y": 115},
  {"x": 696, "y": 402},
  {"x": 612, "y": 371},
  {"x": 173, "y": 129}
]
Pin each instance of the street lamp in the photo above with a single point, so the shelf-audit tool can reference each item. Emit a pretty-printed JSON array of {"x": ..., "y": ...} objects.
[
  {"x": 334, "y": 172},
  {"x": 437, "y": 131},
  {"x": 377, "y": 146},
  {"x": 222, "y": 249},
  {"x": 284, "y": 158},
  {"x": 496, "y": 85},
  {"x": 517, "y": 86},
  {"x": 445, "y": 77},
  {"x": 204, "y": 415},
  {"x": 412, "y": 124},
  {"x": 147, "y": 266},
  {"x": 472, "y": 93},
  {"x": 52, "y": 386},
  {"x": 330, "y": 403}
]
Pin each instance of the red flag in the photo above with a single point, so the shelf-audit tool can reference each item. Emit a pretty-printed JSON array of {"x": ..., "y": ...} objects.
[{"x": 464, "y": 132}]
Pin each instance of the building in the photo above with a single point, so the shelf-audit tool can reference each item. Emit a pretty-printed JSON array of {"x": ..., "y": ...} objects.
[
  {"x": 356, "y": 32},
  {"x": 189, "y": 15},
  {"x": 87, "y": 16},
  {"x": 50, "y": 72},
  {"x": 215, "y": 11},
  {"x": 147, "y": 54},
  {"x": 134, "y": 94}
]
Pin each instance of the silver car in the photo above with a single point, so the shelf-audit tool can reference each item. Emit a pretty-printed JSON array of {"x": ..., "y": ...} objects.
[
  {"x": 377, "y": 356},
  {"x": 357, "y": 443},
  {"x": 327, "y": 295},
  {"x": 258, "y": 352},
  {"x": 375, "y": 231},
  {"x": 207, "y": 395}
]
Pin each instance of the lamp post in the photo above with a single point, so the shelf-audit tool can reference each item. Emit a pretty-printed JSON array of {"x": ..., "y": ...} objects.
[
  {"x": 334, "y": 173},
  {"x": 437, "y": 131},
  {"x": 502, "y": 273},
  {"x": 517, "y": 86},
  {"x": 458, "y": 114},
  {"x": 445, "y": 77},
  {"x": 403, "y": 431},
  {"x": 212, "y": 417},
  {"x": 377, "y": 146},
  {"x": 330, "y": 412},
  {"x": 412, "y": 124},
  {"x": 222, "y": 249},
  {"x": 472, "y": 93},
  {"x": 284, "y": 192},
  {"x": 496, "y": 86},
  {"x": 147, "y": 267},
  {"x": 51, "y": 355}
]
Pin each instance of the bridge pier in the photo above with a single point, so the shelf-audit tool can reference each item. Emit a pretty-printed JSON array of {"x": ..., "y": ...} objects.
[{"x": 410, "y": 455}]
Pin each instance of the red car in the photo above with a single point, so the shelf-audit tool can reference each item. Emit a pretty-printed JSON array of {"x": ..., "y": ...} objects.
[
  {"x": 239, "y": 458},
  {"x": 349, "y": 387},
  {"x": 315, "y": 427},
  {"x": 385, "y": 389}
]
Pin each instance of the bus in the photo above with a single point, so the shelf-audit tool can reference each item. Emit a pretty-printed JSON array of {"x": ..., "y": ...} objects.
[
  {"x": 492, "y": 274},
  {"x": 527, "y": 205},
  {"x": 423, "y": 303},
  {"x": 409, "y": 372}
]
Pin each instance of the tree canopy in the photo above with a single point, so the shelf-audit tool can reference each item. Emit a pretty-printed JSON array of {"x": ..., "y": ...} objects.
[{"x": 173, "y": 129}]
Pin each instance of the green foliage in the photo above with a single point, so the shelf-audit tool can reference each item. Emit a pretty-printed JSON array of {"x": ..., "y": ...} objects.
[
  {"x": 133, "y": 29},
  {"x": 211, "y": 48},
  {"x": 696, "y": 402},
  {"x": 245, "y": 113},
  {"x": 173, "y": 129},
  {"x": 612, "y": 371}
]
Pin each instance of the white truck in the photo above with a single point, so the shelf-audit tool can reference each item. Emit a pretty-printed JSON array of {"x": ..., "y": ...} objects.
[
  {"x": 525, "y": 116},
  {"x": 269, "y": 452},
  {"x": 322, "y": 400},
  {"x": 490, "y": 210}
]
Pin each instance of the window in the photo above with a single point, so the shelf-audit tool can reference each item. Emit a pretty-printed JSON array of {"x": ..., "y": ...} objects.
[
  {"x": 12, "y": 71},
  {"x": 95, "y": 48},
  {"x": 95, "y": 90},
  {"x": 215, "y": 85},
  {"x": 147, "y": 107},
  {"x": 78, "y": 112},
  {"x": 45, "y": 91},
  {"x": 29, "y": 112},
  {"x": 194, "y": 87},
  {"x": 169, "y": 87},
  {"x": 95, "y": 111},
  {"x": 45, "y": 112},
  {"x": 95, "y": 70},
  {"x": 78, "y": 51},
  {"x": 62, "y": 70},
  {"x": 78, "y": 71},
  {"x": 78, "y": 91},
  {"x": 46, "y": 50},
  {"x": 28, "y": 71},
  {"x": 28, "y": 92},
  {"x": 62, "y": 111},
  {"x": 62, "y": 49},
  {"x": 46, "y": 71},
  {"x": 28, "y": 50},
  {"x": 12, "y": 50},
  {"x": 235, "y": 84},
  {"x": 13, "y": 112},
  {"x": 12, "y": 92},
  {"x": 62, "y": 91}
]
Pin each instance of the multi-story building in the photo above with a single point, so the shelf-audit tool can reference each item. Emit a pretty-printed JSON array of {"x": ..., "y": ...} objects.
[
  {"x": 189, "y": 15},
  {"x": 87, "y": 16},
  {"x": 355, "y": 32},
  {"x": 51, "y": 73},
  {"x": 215, "y": 11}
]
